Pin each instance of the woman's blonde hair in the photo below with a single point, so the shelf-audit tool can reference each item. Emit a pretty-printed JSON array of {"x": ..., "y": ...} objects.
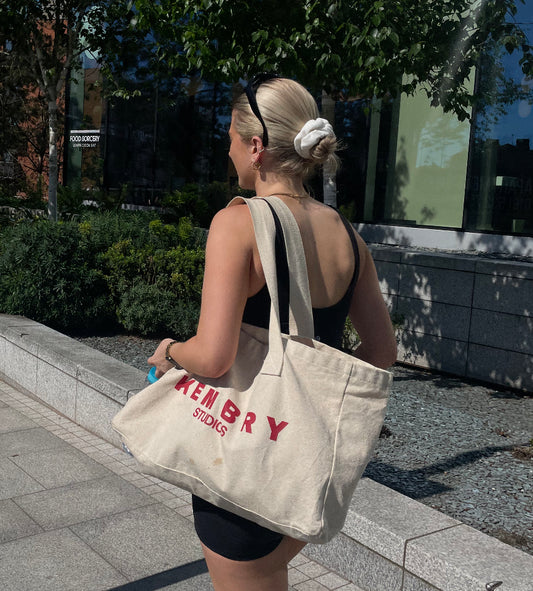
[{"x": 285, "y": 106}]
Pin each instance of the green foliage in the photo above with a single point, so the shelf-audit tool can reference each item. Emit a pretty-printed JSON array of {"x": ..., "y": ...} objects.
[
  {"x": 165, "y": 266},
  {"x": 391, "y": 46},
  {"x": 149, "y": 310},
  {"x": 108, "y": 269},
  {"x": 350, "y": 338},
  {"x": 47, "y": 273},
  {"x": 70, "y": 200},
  {"x": 198, "y": 203},
  {"x": 153, "y": 282}
]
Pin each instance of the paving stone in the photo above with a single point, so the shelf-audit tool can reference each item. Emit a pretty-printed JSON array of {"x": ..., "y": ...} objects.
[
  {"x": 312, "y": 569},
  {"x": 82, "y": 501},
  {"x": 143, "y": 541},
  {"x": 14, "y": 523},
  {"x": 54, "y": 561},
  {"x": 59, "y": 467},
  {"x": 14, "y": 481},
  {"x": 12, "y": 420},
  {"x": 310, "y": 586},
  {"x": 332, "y": 581},
  {"x": 296, "y": 576},
  {"x": 20, "y": 442}
]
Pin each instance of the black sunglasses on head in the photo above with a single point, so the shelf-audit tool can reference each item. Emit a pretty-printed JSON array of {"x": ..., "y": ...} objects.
[{"x": 250, "y": 90}]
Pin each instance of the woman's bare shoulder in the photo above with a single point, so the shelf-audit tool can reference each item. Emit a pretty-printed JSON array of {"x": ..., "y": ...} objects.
[{"x": 236, "y": 218}]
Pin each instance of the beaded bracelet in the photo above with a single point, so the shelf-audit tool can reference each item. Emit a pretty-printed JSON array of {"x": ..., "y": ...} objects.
[{"x": 168, "y": 356}]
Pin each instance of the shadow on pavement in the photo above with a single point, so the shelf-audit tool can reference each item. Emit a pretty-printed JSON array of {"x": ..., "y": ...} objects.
[{"x": 166, "y": 578}]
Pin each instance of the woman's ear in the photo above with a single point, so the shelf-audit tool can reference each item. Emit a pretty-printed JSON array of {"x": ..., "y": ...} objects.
[
  {"x": 257, "y": 150},
  {"x": 257, "y": 145}
]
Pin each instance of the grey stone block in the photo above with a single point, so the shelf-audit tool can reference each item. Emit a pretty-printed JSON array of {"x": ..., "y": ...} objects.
[
  {"x": 2, "y": 354},
  {"x": 452, "y": 262},
  {"x": 385, "y": 253},
  {"x": 434, "y": 318},
  {"x": 143, "y": 541},
  {"x": 12, "y": 420},
  {"x": 54, "y": 561},
  {"x": 82, "y": 501},
  {"x": 59, "y": 467},
  {"x": 463, "y": 558},
  {"x": 28, "y": 440},
  {"x": 411, "y": 583},
  {"x": 507, "y": 368},
  {"x": 20, "y": 366},
  {"x": 502, "y": 331},
  {"x": 112, "y": 378},
  {"x": 14, "y": 481},
  {"x": 504, "y": 294},
  {"x": 94, "y": 412},
  {"x": 62, "y": 352},
  {"x": 389, "y": 277},
  {"x": 515, "y": 269},
  {"x": 448, "y": 286},
  {"x": 433, "y": 352},
  {"x": 23, "y": 337},
  {"x": 391, "y": 302},
  {"x": 14, "y": 523},
  {"x": 382, "y": 520},
  {"x": 56, "y": 388},
  {"x": 12, "y": 321},
  {"x": 357, "y": 563}
]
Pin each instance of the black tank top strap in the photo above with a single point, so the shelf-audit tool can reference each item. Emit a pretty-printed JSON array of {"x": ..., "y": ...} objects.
[{"x": 355, "y": 247}]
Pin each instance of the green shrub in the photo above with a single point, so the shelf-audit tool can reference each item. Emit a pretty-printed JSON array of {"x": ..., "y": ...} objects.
[
  {"x": 155, "y": 286},
  {"x": 149, "y": 310},
  {"x": 48, "y": 273},
  {"x": 93, "y": 273},
  {"x": 70, "y": 200},
  {"x": 199, "y": 203}
]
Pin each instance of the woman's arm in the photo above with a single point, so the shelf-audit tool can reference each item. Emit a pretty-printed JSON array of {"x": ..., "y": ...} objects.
[
  {"x": 212, "y": 351},
  {"x": 370, "y": 316}
]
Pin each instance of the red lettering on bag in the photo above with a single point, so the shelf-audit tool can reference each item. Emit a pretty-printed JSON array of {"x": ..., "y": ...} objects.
[
  {"x": 248, "y": 422},
  {"x": 209, "y": 399},
  {"x": 209, "y": 421},
  {"x": 184, "y": 384},
  {"x": 197, "y": 391},
  {"x": 230, "y": 412},
  {"x": 275, "y": 428}
]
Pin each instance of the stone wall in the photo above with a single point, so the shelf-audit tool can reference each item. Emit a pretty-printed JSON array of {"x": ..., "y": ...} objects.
[{"x": 467, "y": 315}]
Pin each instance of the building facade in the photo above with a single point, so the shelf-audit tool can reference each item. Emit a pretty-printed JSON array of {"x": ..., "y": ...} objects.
[{"x": 408, "y": 168}]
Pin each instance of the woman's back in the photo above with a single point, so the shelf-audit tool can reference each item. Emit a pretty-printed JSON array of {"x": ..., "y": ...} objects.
[{"x": 332, "y": 258}]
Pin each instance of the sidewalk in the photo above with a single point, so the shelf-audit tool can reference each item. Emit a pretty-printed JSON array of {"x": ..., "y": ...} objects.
[{"x": 74, "y": 514}]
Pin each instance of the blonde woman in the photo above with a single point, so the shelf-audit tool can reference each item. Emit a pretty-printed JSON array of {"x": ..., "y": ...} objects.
[{"x": 277, "y": 141}]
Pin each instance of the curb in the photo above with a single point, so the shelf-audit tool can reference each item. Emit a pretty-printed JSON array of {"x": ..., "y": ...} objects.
[{"x": 389, "y": 541}]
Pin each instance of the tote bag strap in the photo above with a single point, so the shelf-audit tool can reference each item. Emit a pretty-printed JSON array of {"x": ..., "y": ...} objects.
[
  {"x": 300, "y": 308},
  {"x": 265, "y": 232}
]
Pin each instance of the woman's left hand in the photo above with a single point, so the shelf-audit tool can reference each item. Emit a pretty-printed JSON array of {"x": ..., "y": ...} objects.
[{"x": 158, "y": 359}]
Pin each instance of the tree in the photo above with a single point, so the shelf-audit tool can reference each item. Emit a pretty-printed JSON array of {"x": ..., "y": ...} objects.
[
  {"x": 339, "y": 47},
  {"x": 44, "y": 39},
  {"x": 23, "y": 137},
  {"x": 346, "y": 48}
]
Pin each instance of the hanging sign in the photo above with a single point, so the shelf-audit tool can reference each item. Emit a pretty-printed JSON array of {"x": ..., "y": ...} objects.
[{"x": 84, "y": 138}]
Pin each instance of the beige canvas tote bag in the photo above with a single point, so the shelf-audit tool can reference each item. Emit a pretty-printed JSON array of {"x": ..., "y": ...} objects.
[{"x": 283, "y": 437}]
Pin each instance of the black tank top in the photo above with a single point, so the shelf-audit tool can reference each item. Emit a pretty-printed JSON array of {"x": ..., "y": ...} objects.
[{"x": 328, "y": 322}]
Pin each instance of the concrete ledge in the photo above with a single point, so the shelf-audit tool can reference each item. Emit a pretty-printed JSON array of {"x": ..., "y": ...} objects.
[
  {"x": 81, "y": 383},
  {"x": 389, "y": 541}
]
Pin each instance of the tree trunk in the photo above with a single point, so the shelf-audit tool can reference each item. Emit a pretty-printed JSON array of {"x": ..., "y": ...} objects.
[
  {"x": 52, "y": 160},
  {"x": 329, "y": 178}
]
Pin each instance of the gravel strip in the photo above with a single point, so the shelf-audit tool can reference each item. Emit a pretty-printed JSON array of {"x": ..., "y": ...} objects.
[{"x": 458, "y": 446}]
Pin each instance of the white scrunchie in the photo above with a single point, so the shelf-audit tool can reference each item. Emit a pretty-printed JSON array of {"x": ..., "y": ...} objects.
[{"x": 310, "y": 134}]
